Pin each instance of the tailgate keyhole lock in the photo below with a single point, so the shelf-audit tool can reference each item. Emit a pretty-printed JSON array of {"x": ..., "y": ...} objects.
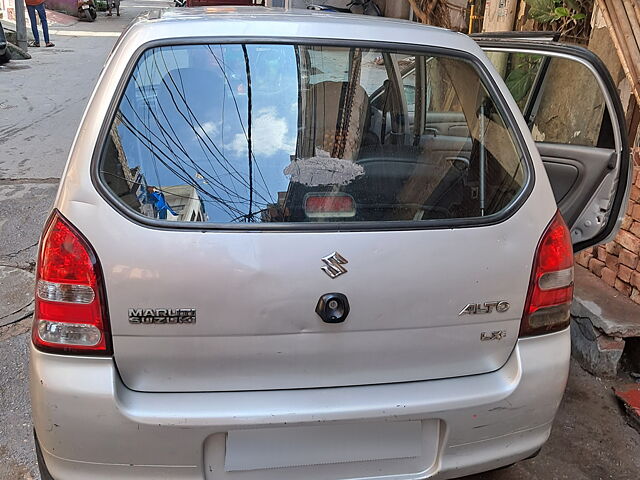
[{"x": 333, "y": 307}]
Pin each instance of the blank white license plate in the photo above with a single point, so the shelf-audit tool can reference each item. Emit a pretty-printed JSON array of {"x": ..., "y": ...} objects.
[
  {"x": 282, "y": 447},
  {"x": 85, "y": 7}
]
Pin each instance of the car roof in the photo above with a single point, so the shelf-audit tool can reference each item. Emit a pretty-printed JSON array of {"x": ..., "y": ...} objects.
[{"x": 263, "y": 23}]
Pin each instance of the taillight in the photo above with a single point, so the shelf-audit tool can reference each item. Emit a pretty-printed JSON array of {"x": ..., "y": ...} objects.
[
  {"x": 70, "y": 308},
  {"x": 551, "y": 287}
]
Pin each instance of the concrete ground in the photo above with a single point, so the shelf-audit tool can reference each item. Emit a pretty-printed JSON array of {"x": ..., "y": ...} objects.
[{"x": 41, "y": 103}]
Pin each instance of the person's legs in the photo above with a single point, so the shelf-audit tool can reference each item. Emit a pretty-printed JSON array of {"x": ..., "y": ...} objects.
[
  {"x": 34, "y": 25},
  {"x": 43, "y": 20}
]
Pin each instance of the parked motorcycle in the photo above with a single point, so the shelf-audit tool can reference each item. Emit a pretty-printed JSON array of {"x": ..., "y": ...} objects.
[
  {"x": 5, "y": 54},
  {"x": 366, "y": 7},
  {"x": 87, "y": 10}
]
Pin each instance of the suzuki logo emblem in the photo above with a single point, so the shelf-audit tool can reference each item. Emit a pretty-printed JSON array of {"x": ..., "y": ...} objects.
[{"x": 333, "y": 265}]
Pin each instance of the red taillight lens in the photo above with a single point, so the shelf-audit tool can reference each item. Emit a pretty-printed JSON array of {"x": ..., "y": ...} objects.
[
  {"x": 338, "y": 205},
  {"x": 551, "y": 288},
  {"x": 70, "y": 309}
]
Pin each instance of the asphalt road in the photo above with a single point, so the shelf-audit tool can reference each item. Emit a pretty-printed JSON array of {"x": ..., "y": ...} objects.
[{"x": 41, "y": 103}]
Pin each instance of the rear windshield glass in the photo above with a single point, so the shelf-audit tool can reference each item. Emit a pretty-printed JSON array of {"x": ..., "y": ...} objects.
[{"x": 257, "y": 133}]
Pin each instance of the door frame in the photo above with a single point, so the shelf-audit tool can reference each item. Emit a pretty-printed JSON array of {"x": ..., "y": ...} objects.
[{"x": 591, "y": 61}]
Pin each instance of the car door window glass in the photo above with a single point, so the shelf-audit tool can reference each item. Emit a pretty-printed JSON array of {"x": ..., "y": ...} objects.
[
  {"x": 570, "y": 115},
  {"x": 520, "y": 72},
  {"x": 560, "y": 112},
  {"x": 247, "y": 133}
]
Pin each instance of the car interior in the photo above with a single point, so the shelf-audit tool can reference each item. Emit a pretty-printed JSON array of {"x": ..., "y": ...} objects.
[{"x": 413, "y": 170}]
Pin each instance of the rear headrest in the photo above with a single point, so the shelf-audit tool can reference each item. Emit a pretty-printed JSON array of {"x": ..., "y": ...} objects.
[{"x": 329, "y": 106}]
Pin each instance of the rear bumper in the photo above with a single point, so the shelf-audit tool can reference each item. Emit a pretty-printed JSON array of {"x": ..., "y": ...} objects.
[{"x": 91, "y": 426}]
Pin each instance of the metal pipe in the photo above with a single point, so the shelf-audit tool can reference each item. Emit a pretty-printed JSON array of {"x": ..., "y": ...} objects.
[{"x": 21, "y": 25}]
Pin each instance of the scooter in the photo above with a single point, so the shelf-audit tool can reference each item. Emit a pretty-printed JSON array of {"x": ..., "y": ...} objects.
[
  {"x": 366, "y": 7},
  {"x": 87, "y": 10}
]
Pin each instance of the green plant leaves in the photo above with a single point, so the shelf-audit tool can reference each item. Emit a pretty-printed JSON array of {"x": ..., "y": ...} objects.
[
  {"x": 519, "y": 82},
  {"x": 522, "y": 75},
  {"x": 549, "y": 11},
  {"x": 542, "y": 10}
]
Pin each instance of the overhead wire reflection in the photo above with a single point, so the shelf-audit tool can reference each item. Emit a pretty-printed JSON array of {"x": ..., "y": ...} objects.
[{"x": 158, "y": 112}]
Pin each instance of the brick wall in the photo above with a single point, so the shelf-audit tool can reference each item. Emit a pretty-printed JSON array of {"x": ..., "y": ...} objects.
[{"x": 618, "y": 263}]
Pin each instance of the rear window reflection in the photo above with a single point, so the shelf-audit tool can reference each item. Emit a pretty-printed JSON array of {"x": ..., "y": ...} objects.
[{"x": 288, "y": 133}]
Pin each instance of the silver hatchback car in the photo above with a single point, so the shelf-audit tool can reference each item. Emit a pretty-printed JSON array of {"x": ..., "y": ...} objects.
[{"x": 300, "y": 245}]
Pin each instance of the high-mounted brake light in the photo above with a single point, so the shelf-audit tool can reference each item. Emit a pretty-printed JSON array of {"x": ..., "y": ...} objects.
[
  {"x": 329, "y": 205},
  {"x": 551, "y": 287},
  {"x": 70, "y": 309}
]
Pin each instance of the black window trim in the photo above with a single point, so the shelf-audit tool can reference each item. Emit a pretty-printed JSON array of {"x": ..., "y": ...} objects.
[{"x": 405, "y": 225}]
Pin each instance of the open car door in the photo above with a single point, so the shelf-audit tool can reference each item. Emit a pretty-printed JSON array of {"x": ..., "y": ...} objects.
[{"x": 572, "y": 107}]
